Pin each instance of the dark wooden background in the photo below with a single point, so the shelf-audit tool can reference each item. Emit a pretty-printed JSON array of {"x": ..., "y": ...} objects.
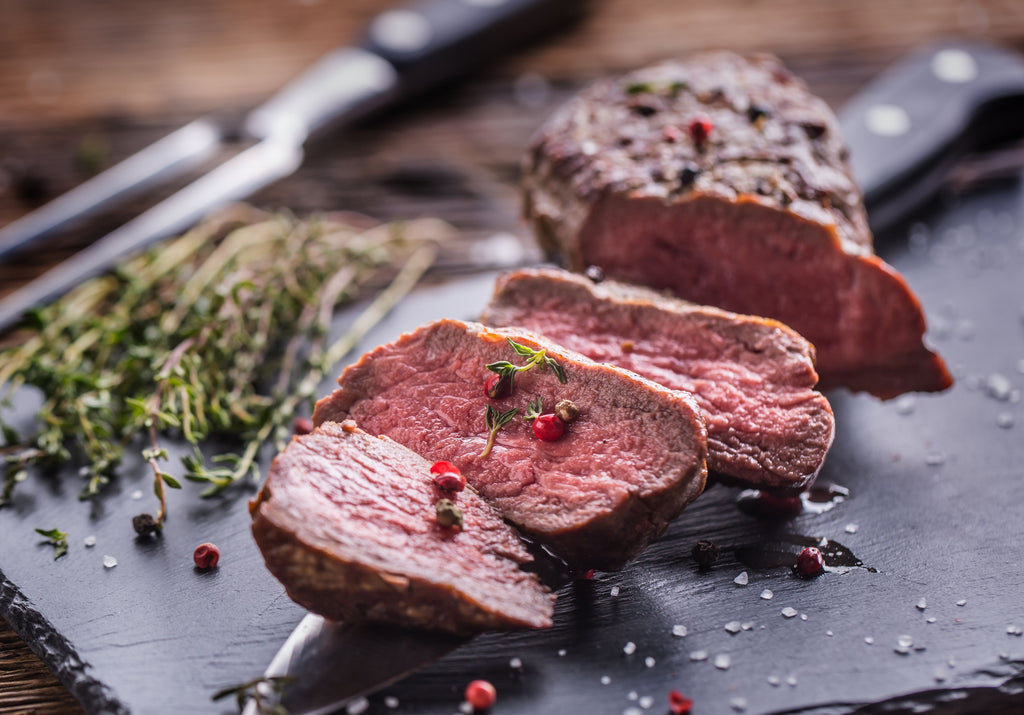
[{"x": 84, "y": 84}]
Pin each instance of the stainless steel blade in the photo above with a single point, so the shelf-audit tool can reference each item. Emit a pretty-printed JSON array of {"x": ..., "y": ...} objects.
[
  {"x": 164, "y": 160},
  {"x": 333, "y": 663},
  {"x": 234, "y": 179}
]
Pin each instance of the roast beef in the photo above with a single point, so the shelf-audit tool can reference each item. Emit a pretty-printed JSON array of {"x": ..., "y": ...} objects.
[
  {"x": 347, "y": 522},
  {"x": 723, "y": 179},
  {"x": 753, "y": 377},
  {"x": 629, "y": 464}
]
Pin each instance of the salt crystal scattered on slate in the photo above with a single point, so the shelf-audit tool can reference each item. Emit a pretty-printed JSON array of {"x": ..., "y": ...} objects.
[
  {"x": 742, "y": 579},
  {"x": 357, "y": 706},
  {"x": 89, "y": 541},
  {"x": 605, "y": 680},
  {"x": 922, "y": 604},
  {"x": 1005, "y": 420},
  {"x": 791, "y": 681},
  {"x": 646, "y": 702},
  {"x": 614, "y": 592},
  {"x": 738, "y": 704},
  {"x": 774, "y": 681},
  {"x": 109, "y": 562},
  {"x": 632, "y": 695},
  {"x": 934, "y": 459},
  {"x": 733, "y": 627},
  {"x": 905, "y": 641},
  {"x": 515, "y": 663},
  {"x": 998, "y": 386},
  {"x": 852, "y": 528},
  {"x": 649, "y": 662},
  {"x": 930, "y": 619},
  {"x": 632, "y": 711},
  {"x": 698, "y": 655},
  {"x": 869, "y": 640},
  {"x": 803, "y": 616},
  {"x": 137, "y": 494},
  {"x": 391, "y": 702},
  {"x": 962, "y": 602},
  {"x": 466, "y": 708},
  {"x": 679, "y": 630},
  {"x": 747, "y": 626},
  {"x": 561, "y": 652},
  {"x": 940, "y": 676},
  {"x": 951, "y": 662},
  {"x": 1014, "y": 630},
  {"x": 767, "y": 595},
  {"x": 905, "y": 405},
  {"x": 829, "y": 633},
  {"x": 629, "y": 648},
  {"x": 723, "y": 661},
  {"x": 788, "y": 612}
]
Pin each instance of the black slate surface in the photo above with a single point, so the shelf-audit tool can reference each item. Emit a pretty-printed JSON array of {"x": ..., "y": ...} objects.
[{"x": 935, "y": 483}]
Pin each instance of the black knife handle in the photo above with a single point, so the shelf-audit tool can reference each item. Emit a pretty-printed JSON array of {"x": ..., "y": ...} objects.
[
  {"x": 918, "y": 114},
  {"x": 433, "y": 41}
]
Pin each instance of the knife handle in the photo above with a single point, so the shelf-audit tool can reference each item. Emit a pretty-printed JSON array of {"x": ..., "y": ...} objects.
[
  {"x": 432, "y": 41},
  {"x": 935, "y": 103}
]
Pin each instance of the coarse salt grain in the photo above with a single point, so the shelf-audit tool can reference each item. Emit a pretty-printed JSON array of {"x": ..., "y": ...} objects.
[
  {"x": 109, "y": 562},
  {"x": 767, "y": 595},
  {"x": 629, "y": 648},
  {"x": 723, "y": 661},
  {"x": 357, "y": 706},
  {"x": 605, "y": 680},
  {"x": 515, "y": 663},
  {"x": 791, "y": 681},
  {"x": 89, "y": 541},
  {"x": 698, "y": 655},
  {"x": 742, "y": 580},
  {"x": 869, "y": 640},
  {"x": 614, "y": 591},
  {"x": 649, "y": 662},
  {"x": 733, "y": 627},
  {"x": 852, "y": 528},
  {"x": 749, "y": 625},
  {"x": 738, "y": 704},
  {"x": 646, "y": 702},
  {"x": 922, "y": 604},
  {"x": 905, "y": 641},
  {"x": 803, "y": 616},
  {"x": 679, "y": 630},
  {"x": 962, "y": 602},
  {"x": 788, "y": 612},
  {"x": 137, "y": 494},
  {"x": 561, "y": 652},
  {"x": 391, "y": 702}
]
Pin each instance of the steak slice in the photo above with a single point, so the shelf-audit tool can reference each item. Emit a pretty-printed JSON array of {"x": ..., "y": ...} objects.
[
  {"x": 347, "y": 522},
  {"x": 752, "y": 377},
  {"x": 762, "y": 216},
  {"x": 627, "y": 466}
]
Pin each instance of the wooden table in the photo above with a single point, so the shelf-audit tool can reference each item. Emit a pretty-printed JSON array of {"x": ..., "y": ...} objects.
[{"x": 81, "y": 88}]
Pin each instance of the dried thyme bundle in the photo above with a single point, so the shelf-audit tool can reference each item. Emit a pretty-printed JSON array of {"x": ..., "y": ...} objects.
[{"x": 220, "y": 332}]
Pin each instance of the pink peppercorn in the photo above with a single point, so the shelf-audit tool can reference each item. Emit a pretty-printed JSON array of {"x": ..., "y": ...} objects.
[
  {"x": 481, "y": 694},
  {"x": 302, "y": 425},
  {"x": 548, "y": 427},
  {"x": 206, "y": 556},
  {"x": 700, "y": 129},
  {"x": 678, "y": 704}
]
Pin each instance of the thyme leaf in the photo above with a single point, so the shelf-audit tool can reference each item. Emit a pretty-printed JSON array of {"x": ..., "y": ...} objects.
[
  {"x": 221, "y": 333},
  {"x": 507, "y": 371},
  {"x": 265, "y": 692},
  {"x": 534, "y": 410},
  {"x": 495, "y": 420},
  {"x": 56, "y": 538}
]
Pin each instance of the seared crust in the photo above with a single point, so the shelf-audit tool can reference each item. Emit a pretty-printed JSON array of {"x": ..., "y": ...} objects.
[
  {"x": 763, "y": 217},
  {"x": 346, "y": 522}
]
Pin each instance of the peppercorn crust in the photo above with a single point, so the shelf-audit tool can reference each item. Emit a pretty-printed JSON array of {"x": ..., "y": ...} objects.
[
  {"x": 721, "y": 178},
  {"x": 347, "y": 523},
  {"x": 630, "y": 462}
]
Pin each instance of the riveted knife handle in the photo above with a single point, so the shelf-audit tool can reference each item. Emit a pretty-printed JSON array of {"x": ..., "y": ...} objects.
[
  {"x": 907, "y": 126},
  {"x": 432, "y": 41}
]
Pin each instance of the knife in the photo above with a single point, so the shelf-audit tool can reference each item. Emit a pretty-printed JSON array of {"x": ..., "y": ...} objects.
[
  {"x": 404, "y": 52},
  {"x": 908, "y": 127},
  {"x": 955, "y": 97}
]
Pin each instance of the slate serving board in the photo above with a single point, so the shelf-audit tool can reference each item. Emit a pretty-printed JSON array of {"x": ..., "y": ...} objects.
[{"x": 933, "y": 511}]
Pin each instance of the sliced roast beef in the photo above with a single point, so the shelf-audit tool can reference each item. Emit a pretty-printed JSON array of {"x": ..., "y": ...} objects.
[
  {"x": 626, "y": 466},
  {"x": 753, "y": 377},
  {"x": 348, "y": 523},
  {"x": 723, "y": 179}
]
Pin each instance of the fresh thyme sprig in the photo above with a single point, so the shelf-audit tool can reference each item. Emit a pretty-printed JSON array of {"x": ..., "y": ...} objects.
[
  {"x": 57, "y": 539},
  {"x": 221, "y": 332},
  {"x": 257, "y": 690},
  {"x": 506, "y": 371},
  {"x": 495, "y": 420}
]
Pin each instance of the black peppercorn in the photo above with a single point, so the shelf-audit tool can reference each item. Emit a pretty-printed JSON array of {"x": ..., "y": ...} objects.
[
  {"x": 754, "y": 113},
  {"x": 688, "y": 174},
  {"x": 594, "y": 273},
  {"x": 145, "y": 525},
  {"x": 705, "y": 553}
]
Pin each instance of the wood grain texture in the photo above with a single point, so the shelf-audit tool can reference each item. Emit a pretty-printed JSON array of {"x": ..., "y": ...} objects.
[{"x": 117, "y": 74}]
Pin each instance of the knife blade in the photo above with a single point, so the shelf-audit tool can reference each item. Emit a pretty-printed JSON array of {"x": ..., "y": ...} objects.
[{"x": 404, "y": 52}]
